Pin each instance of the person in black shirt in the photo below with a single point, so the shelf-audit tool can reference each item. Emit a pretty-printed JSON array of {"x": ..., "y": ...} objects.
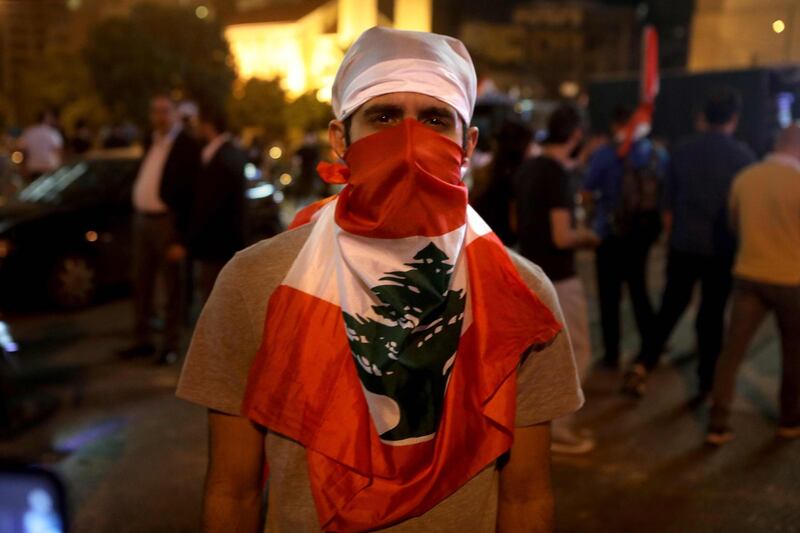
[{"x": 544, "y": 206}]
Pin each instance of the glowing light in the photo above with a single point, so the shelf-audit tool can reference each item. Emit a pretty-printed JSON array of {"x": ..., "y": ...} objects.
[
  {"x": 778, "y": 26},
  {"x": 201, "y": 12},
  {"x": 325, "y": 94},
  {"x": 569, "y": 89},
  {"x": 275, "y": 152},
  {"x": 260, "y": 191},
  {"x": 286, "y": 179},
  {"x": 17, "y": 158},
  {"x": 91, "y": 236},
  {"x": 251, "y": 172},
  {"x": 415, "y": 15},
  {"x": 5, "y": 248}
]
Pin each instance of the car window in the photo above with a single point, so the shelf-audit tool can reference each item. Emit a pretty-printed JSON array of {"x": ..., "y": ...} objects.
[{"x": 97, "y": 180}]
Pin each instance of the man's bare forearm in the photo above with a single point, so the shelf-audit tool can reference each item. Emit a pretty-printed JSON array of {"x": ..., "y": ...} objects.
[
  {"x": 224, "y": 512},
  {"x": 537, "y": 516}
]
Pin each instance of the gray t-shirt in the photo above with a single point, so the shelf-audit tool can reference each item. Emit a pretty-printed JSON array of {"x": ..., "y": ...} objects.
[{"x": 229, "y": 333}]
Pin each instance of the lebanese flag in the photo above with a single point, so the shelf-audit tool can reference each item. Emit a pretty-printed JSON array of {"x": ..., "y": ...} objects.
[
  {"x": 397, "y": 407},
  {"x": 649, "y": 84}
]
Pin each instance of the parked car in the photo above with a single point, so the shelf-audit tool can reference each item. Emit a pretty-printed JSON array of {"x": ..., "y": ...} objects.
[{"x": 68, "y": 234}]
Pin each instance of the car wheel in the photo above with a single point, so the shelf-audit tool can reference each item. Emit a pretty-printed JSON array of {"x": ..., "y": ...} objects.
[{"x": 73, "y": 281}]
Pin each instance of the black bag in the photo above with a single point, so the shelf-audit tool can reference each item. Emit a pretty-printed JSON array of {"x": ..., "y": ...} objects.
[{"x": 640, "y": 200}]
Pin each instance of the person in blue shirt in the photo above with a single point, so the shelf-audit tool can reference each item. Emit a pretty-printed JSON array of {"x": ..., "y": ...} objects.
[
  {"x": 621, "y": 258},
  {"x": 701, "y": 243}
]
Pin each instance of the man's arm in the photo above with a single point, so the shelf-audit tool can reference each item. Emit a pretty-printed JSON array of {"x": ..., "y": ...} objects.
[
  {"x": 566, "y": 237},
  {"x": 526, "y": 503},
  {"x": 233, "y": 490}
]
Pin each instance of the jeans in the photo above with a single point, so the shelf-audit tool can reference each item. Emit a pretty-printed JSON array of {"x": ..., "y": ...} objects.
[
  {"x": 622, "y": 261},
  {"x": 684, "y": 270},
  {"x": 752, "y": 301},
  {"x": 152, "y": 236}
]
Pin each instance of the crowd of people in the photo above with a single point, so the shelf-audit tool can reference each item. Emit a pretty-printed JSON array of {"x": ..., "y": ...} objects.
[{"x": 730, "y": 225}]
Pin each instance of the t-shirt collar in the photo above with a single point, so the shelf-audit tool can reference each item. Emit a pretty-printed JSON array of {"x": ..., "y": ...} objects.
[{"x": 784, "y": 159}]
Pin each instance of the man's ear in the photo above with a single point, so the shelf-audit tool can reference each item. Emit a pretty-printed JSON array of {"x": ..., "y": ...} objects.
[
  {"x": 472, "y": 142},
  {"x": 337, "y": 137}
]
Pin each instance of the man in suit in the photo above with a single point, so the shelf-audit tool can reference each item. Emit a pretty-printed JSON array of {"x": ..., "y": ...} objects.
[
  {"x": 161, "y": 201},
  {"x": 216, "y": 221}
]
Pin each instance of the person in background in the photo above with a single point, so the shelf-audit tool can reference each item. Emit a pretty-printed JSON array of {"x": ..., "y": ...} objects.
[
  {"x": 494, "y": 202},
  {"x": 81, "y": 141},
  {"x": 161, "y": 201},
  {"x": 42, "y": 145},
  {"x": 701, "y": 245},
  {"x": 308, "y": 186},
  {"x": 544, "y": 202},
  {"x": 621, "y": 258},
  {"x": 765, "y": 212},
  {"x": 216, "y": 228}
]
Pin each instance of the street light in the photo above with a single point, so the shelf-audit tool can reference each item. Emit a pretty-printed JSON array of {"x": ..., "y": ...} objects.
[
  {"x": 778, "y": 26},
  {"x": 201, "y": 12}
]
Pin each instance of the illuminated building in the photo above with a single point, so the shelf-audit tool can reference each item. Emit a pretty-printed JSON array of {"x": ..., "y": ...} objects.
[
  {"x": 303, "y": 43},
  {"x": 744, "y": 33}
]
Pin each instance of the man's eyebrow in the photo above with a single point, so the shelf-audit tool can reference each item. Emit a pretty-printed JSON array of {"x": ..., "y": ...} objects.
[
  {"x": 377, "y": 109},
  {"x": 438, "y": 111}
]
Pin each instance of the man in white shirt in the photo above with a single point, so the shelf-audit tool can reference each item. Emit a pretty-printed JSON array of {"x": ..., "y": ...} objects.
[
  {"x": 161, "y": 200},
  {"x": 42, "y": 145}
]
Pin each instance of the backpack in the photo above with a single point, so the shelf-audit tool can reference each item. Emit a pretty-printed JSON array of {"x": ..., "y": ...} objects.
[{"x": 640, "y": 199}]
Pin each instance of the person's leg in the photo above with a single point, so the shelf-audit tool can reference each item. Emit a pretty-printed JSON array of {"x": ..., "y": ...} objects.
[
  {"x": 787, "y": 307},
  {"x": 609, "y": 287},
  {"x": 145, "y": 271},
  {"x": 710, "y": 324},
  {"x": 747, "y": 314},
  {"x": 636, "y": 279},
  {"x": 682, "y": 274},
  {"x": 572, "y": 298},
  {"x": 173, "y": 272}
]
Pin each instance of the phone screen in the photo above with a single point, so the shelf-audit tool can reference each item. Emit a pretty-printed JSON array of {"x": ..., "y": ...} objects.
[{"x": 31, "y": 501}]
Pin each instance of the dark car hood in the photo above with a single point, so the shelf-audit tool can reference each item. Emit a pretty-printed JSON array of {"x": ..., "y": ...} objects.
[{"x": 18, "y": 213}]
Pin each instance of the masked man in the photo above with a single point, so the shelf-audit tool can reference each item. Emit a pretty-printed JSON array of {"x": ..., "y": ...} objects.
[{"x": 390, "y": 361}]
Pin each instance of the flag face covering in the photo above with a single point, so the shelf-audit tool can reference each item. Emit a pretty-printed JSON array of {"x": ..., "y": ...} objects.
[{"x": 390, "y": 349}]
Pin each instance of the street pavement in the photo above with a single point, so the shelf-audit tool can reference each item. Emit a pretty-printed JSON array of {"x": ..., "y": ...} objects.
[{"x": 133, "y": 456}]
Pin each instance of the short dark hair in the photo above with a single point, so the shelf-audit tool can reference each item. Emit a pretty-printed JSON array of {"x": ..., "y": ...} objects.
[
  {"x": 562, "y": 124},
  {"x": 722, "y": 105},
  {"x": 216, "y": 117}
]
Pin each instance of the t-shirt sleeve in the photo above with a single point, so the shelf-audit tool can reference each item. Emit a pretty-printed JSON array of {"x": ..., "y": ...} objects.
[
  {"x": 560, "y": 195},
  {"x": 223, "y": 345},
  {"x": 547, "y": 380}
]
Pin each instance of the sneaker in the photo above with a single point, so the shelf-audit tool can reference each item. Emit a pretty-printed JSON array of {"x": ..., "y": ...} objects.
[
  {"x": 568, "y": 442},
  {"x": 635, "y": 381},
  {"x": 137, "y": 350},
  {"x": 719, "y": 436},
  {"x": 789, "y": 432}
]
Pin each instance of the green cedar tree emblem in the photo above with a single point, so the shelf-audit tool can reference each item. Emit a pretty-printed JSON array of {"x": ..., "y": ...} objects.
[{"x": 404, "y": 355}]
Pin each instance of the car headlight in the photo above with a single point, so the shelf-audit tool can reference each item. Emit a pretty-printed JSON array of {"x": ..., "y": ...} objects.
[{"x": 5, "y": 248}]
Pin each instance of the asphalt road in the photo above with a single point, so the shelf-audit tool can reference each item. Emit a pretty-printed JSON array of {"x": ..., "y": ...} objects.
[{"x": 133, "y": 456}]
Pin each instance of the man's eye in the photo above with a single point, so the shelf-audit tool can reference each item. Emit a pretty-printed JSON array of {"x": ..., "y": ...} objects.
[
  {"x": 436, "y": 121},
  {"x": 383, "y": 118}
]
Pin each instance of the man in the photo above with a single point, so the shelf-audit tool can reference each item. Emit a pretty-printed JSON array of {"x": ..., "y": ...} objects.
[
  {"x": 216, "y": 223},
  {"x": 701, "y": 246},
  {"x": 765, "y": 211},
  {"x": 161, "y": 196},
  {"x": 621, "y": 258},
  {"x": 545, "y": 203},
  {"x": 42, "y": 145},
  {"x": 342, "y": 385}
]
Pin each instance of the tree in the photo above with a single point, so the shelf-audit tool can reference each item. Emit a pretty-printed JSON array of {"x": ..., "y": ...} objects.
[
  {"x": 158, "y": 48},
  {"x": 407, "y": 354},
  {"x": 260, "y": 104}
]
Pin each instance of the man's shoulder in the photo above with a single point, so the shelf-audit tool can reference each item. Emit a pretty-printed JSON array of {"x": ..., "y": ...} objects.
[
  {"x": 535, "y": 278},
  {"x": 266, "y": 262}
]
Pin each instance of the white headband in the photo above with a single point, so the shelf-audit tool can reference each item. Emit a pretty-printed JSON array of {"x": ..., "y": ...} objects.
[{"x": 384, "y": 61}]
